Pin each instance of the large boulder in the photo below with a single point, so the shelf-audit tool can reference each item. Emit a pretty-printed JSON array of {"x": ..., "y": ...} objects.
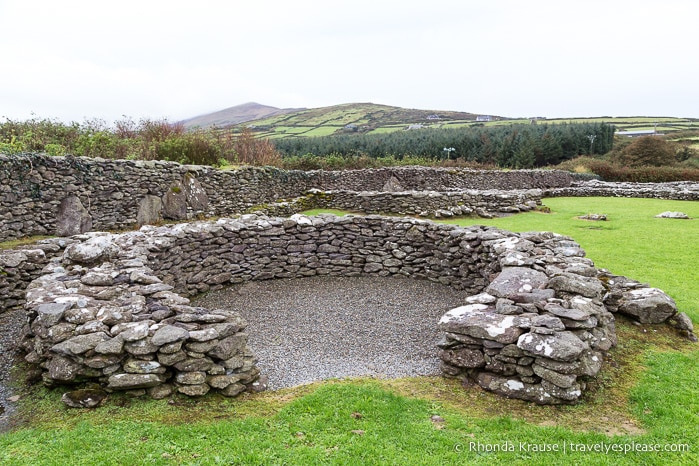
[
  {"x": 647, "y": 305},
  {"x": 175, "y": 202},
  {"x": 195, "y": 194},
  {"x": 72, "y": 217},
  {"x": 149, "y": 210}
]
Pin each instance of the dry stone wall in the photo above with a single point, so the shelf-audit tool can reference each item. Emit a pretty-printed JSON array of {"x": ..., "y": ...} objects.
[
  {"x": 43, "y": 195},
  {"x": 680, "y": 190},
  {"x": 113, "y": 308}
]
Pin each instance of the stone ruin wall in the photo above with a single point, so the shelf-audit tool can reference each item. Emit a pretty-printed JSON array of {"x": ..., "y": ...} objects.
[
  {"x": 113, "y": 308},
  {"x": 537, "y": 341},
  {"x": 679, "y": 190},
  {"x": 99, "y": 195}
]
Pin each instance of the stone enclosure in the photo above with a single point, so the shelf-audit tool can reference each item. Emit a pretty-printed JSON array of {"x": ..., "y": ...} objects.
[{"x": 113, "y": 308}]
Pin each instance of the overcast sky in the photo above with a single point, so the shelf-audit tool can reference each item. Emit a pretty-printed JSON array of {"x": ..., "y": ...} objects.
[{"x": 77, "y": 60}]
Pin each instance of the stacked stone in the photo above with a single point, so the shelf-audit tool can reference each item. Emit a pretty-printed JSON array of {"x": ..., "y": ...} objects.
[
  {"x": 434, "y": 204},
  {"x": 112, "y": 309},
  {"x": 39, "y": 193},
  {"x": 18, "y": 267},
  {"x": 538, "y": 330},
  {"x": 101, "y": 316},
  {"x": 678, "y": 190},
  {"x": 204, "y": 256}
]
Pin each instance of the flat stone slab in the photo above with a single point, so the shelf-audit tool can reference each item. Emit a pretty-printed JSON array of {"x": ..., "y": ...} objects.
[
  {"x": 679, "y": 215},
  {"x": 561, "y": 346},
  {"x": 516, "y": 280},
  {"x": 481, "y": 321}
]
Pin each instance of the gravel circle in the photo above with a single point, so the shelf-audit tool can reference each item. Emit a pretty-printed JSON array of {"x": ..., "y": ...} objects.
[{"x": 304, "y": 330}]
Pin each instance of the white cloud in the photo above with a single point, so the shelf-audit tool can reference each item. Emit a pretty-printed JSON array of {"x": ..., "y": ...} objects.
[{"x": 75, "y": 59}]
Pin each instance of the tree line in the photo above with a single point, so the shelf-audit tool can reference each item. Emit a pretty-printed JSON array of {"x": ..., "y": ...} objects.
[{"x": 512, "y": 146}]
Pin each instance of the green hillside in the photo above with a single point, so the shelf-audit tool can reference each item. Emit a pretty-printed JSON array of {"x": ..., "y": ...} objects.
[
  {"x": 374, "y": 118},
  {"x": 353, "y": 118}
]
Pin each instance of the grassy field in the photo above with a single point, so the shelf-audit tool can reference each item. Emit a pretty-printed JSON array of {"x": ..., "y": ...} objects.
[
  {"x": 646, "y": 397},
  {"x": 381, "y": 119}
]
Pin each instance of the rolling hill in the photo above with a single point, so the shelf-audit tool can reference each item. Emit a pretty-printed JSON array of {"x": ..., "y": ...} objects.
[
  {"x": 353, "y": 118},
  {"x": 275, "y": 123},
  {"x": 235, "y": 115}
]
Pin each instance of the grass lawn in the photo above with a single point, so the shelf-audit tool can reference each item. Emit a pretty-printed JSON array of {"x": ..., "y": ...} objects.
[{"x": 646, "y": 397}]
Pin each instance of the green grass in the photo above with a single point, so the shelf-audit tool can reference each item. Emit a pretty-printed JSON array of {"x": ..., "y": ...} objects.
[
  {"x": 647, "y": 392},
  {"x": 632, "y": 242}
]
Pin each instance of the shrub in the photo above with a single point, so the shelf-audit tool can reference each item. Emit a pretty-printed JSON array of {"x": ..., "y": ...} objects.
[
  {"x": 612, "y": 172},
  {"x": 647, "y": 151}
]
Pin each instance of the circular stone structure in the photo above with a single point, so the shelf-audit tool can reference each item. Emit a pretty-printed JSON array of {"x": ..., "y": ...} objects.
[{"x": 115, "y": 308}]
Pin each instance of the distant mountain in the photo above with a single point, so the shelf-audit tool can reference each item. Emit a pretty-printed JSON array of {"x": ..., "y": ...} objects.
[
  {"x": 236, "y": 115},
  {"x": 355, "y": 118}
]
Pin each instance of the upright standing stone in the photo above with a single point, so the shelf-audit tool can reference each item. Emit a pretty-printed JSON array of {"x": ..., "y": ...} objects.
[{"x": 72, "y": 217}]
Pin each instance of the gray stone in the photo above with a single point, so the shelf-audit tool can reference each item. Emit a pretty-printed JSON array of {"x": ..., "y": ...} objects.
[
  {"x": 204, "y": 335},
  {"x": 79, "y": 344},
  {"x": 194, "y": 365},
  {"x": 137, "y": 366},
  {"x": 560, "y": 311},
  {"x": 92, "y": 250},
  {"x": 516, "y": 280},
  {"x": 562, "y": 346},
  {"x": 50, "y": 314},
  {"x": 149, "y": 210},
  {"x": 233, "y": 389},
  {"x": 134, "y": 381},
  {"x": 678, "y": 215},
  {"x": 647, "y": 305},
  {"x": 190, "y": 378},
  {"x": 62, "y": 369},
  {"x": 220, "y": 382},
  {"x": 556, "y": 378},
  {"x": 84, "y": 398},
  {"x": 194, "y": 390},
  {"x": 570, "y": 394},
  {"x": 111, "y": 346},
  {"x": 551, "y": 322},
  {"x": 514, "y": 388},
  {"x": 577, "y": 284},
  {"x": 681, "y": 321},
  {"x": 480, "y": 321},
  {"x": 463, "y": 357},
  {"x": 160, "y": 392},
  {"x": 170, "y": 359},
  {"x": 169, "y": 334},
  {"x": 195, "y": 194},
  {"x": 230, "y": 346},
  {"x": 72, "y": 217},
  {"x": 175, "y": 202},
  {"x": 590, "y": 363}
]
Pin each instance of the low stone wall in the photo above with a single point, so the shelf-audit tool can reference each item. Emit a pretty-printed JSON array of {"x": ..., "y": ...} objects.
[
  {"x": 43, "y": 195},
  {"x": 681, "y": 190},
  {"x": 430, "y": 204},
  {"x": 19, "y": 267},
  {"x": 112, "y": 307}
]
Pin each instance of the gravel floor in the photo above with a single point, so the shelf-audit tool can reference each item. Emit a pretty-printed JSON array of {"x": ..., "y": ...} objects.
[
  {"x": 304, "y": 330},
  {"x": 10, "y": 326}
]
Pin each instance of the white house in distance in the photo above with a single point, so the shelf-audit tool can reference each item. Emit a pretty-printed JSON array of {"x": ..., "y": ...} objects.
[
  {"x": 484, "y": 118},
  {"x": 635, "y": 134}
]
